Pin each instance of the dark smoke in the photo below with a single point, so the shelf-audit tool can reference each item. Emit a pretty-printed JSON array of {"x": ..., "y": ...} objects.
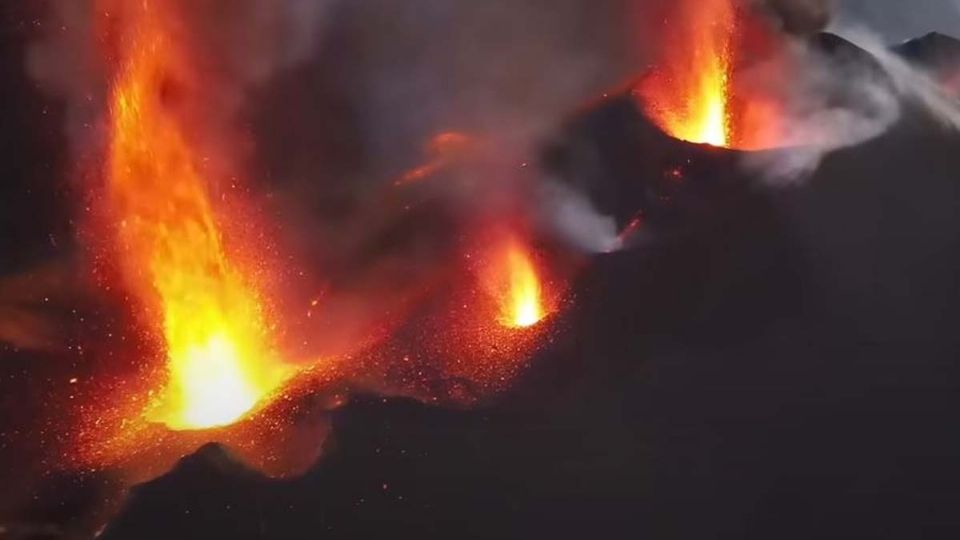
[
  {"x": 392, "y": 75},
  {"x": 801, "y": 17},
  {"x": 246, "y": 41}
]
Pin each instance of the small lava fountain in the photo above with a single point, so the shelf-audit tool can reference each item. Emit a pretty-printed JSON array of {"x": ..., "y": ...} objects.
[{"x": 521, "y": 301}]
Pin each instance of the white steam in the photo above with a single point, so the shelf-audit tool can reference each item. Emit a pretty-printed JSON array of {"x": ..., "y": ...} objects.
[
  {"x": 911, "y": 83},
  {"x": 872, "y": 101},
  {"x": 829, "y": 103},
  {"x": 572, "y": 216}
]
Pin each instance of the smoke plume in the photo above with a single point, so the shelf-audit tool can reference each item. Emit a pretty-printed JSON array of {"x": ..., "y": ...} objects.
[
  {"x": 242, "y": 43},
  {"x": 845, "y": 98},
  {"x": 801, "y": 17},
  {"x": 916, "y": 86},
  {"x": 393, "y": 76},
  {"x": 830, "y": 101}
]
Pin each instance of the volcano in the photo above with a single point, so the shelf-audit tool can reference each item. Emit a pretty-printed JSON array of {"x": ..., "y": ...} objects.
[
  {"x": 756, "y": 360},
  {"x": 759, "y": 330}
]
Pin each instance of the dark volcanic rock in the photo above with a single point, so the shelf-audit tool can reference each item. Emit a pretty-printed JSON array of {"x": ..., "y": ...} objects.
[
  {"x": 932, "y": 50},
  {"x": 628, "y": 167},
  {"x": 401, "y": 468},
  {"x": 936, "y": 53},
  {"x": 207, "y": 491}
]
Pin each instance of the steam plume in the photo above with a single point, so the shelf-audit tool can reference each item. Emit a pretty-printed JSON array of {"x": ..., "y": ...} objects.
[
  {"x": 833, "y": 101},
  {"x": 873, "y": 95},
  {"x": 913, "y": 84}
]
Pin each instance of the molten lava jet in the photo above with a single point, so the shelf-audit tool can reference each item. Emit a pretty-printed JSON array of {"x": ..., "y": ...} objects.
[
  {"x": 688, "y": 92},
  {"x": 521, "y": 296},
  {"x": 206, "y": 305}
]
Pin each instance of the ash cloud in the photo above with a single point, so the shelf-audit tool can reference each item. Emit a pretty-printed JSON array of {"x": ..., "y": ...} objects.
[
  {"x": 393, "y": 75},
  {"x": 800, "y": 17},
  {"x": 246, "y": 41},
  {"x": 389, "y": 77}
]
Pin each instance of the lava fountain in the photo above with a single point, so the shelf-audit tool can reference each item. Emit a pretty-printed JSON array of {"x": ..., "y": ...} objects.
[
  {"x": 204, "y": 304},
  {"x": 522, "y": 301},
  {"x": 688, "y": 93},
  {"x": 515, "y": 284}
]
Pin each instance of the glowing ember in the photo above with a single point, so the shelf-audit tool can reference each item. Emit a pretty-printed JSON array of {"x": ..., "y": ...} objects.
[
  {"x": 221, "y": 361},
  {"x": 688, "y": 94},
  {"x": 444, "y": 150},
  {"x": 522, "y": 297}
]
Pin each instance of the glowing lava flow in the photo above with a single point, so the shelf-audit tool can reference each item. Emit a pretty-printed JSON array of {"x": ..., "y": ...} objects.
[
  {"x": 220, "y": 357},
  {"x": 688, "y": 93},
  {"x": 521, "y": 304}
]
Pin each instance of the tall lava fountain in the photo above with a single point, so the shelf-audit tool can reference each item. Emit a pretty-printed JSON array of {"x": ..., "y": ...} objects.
[{"x": 196, "y": 294}]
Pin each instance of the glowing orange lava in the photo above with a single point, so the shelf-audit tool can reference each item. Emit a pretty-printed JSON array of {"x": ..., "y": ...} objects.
[
  {"x": 688, "y": 93},
  {"x": 221, "y": 360},
  {"x": 521, "y": 295}
]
